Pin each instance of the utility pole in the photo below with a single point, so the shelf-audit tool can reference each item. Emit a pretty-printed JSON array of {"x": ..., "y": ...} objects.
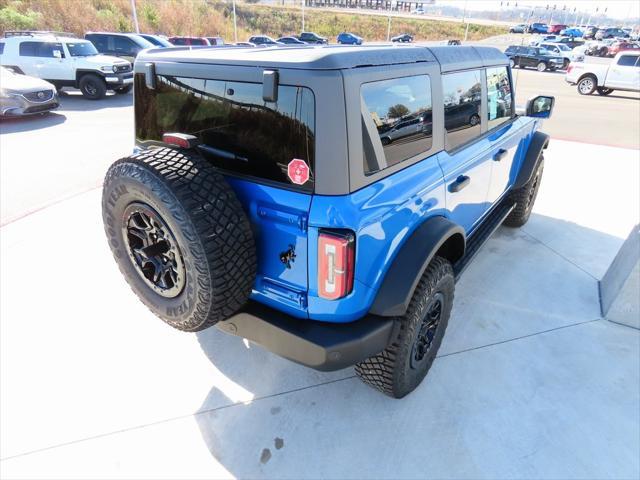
[
  {"x": 135, "y": 16},
  {"x": 389, "y": 25},
  {"x": 303, "y": 1},
  {"x": 235, "y": 25}
]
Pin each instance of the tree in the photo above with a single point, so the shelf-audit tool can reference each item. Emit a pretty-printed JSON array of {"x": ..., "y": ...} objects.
[{"x": 397, "y": 111}]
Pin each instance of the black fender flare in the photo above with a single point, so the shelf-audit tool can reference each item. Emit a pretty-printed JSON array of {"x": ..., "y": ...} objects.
[
  {"x": 436, "y": 234},
  {"x": 538, "y": 143}
]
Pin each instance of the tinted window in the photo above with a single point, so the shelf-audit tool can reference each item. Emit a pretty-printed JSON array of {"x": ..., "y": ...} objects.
[
  {"x": 41, "y": 49},
  {"x": 499, "y": 103},
  {"x": 124, "y": 45},
  {"x": 179, "y": 41},
  {"x": 1, "y": 48},
  {"x": 462, "y": 98},
  {"x": 399, "y": 116},
  {"x": 240, "y": 132},
  {"x": 100, "y": 42},
  {"x": 81, "y": 49},
  {"x": 627, "y": 60}
]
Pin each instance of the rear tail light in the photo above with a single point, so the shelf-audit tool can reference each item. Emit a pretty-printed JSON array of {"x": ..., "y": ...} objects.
[
  {"x": 335, "y": 264},
  {"x": 182, "y": 140}
]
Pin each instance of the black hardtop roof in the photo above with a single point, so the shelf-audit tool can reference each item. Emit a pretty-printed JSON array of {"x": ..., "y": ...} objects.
[{"x": 331, "y": 57}]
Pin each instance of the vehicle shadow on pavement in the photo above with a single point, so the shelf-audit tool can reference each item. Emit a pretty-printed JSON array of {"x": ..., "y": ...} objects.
[
  {"x": 30, "y": 122},
  {"x": 73, "y": 100},
  {"x": 537, "y": 286}
]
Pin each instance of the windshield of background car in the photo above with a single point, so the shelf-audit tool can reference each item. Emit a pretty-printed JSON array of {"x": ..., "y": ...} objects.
[
  {"x": 240, "y": 132},
  {"x": 81, "y": 49}
]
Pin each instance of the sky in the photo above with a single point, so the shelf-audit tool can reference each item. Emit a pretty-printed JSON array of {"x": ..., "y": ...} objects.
[{"x": 621, "y": 9}]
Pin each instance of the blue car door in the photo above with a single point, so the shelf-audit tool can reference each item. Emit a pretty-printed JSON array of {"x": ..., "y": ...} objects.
[{"x": 465, "y": 163}]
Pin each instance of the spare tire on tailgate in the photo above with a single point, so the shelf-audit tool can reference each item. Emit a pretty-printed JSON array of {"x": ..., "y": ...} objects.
[{"x": 180, "y": 237}]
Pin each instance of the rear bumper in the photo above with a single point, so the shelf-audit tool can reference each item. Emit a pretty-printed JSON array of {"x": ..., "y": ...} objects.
[{"x": 318, "y": 345}]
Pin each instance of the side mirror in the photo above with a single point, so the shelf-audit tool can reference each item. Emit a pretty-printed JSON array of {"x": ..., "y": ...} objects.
[{"x": 540, "y": 106}]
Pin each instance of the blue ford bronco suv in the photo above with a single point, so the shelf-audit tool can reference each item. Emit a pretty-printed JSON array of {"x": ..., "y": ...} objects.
[{"x": 320, "y": 201}]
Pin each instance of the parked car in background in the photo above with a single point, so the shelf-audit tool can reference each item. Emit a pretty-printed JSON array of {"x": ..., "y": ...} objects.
[
  {"x": 623, "y": 73},
  {"x": 124, "y": 45},
  {"x": 590, "y": 32},
  {"x": 572, "y": 32},
  {"x": 536, "y": 57},
  {"x": 313, "y": 38},
  {"x": 611, "y": 32},
  {"x": 569, "y": 41},
  {"x": 346, "y": 38},
  {"x": 157, "y": 40},
  {"x": 561, "y": 50},
  {"x": 215, "y": 40},
  {"x": 403, "y": 38},
  {"x": 538, "y": 28},
  {"x": 66, "y": 62},
  {"x": 263, "y": 40},
  {"x": 25, "y": 95},
  {"x": 520, "y": 28},
  {"x": 597, "y": 48},
  {"x": 291, "y": 41},
  {"x": 619, "y": 46},
  {"x": 189, "y": 41},
  {"x": 556, "y": 28},
  {"x": 538, "y": 39},
  {"x": 418, "y": 11}
]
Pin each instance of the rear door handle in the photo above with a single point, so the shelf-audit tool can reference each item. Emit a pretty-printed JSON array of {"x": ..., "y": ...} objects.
[
  {"x": 500, "y": 154},
  {"x": 461, "y": 182}
]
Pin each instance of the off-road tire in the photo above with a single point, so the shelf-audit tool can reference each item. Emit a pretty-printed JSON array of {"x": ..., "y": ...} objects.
[
  {"x": 525, "y": 197},
  {"x": 391, "y": 371},
  {"x": 92, "y": 87},
  {"x": 123, "y": 90},
  {"x": 205, "y": 219}
]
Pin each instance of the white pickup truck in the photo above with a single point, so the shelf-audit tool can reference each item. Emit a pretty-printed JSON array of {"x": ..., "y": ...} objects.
[{"x": 623, "y": 73}]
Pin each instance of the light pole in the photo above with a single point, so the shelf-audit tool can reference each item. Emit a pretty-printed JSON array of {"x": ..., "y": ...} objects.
[
  {"x": 135, "y": 16},
  {"x": 389, "y": 24},
  {"x": 303, "y": 1},
  {"x": 235, "y": 25}
]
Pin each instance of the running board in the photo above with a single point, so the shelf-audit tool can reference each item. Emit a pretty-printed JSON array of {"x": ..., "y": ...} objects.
[{"x": 482, "y": 234}]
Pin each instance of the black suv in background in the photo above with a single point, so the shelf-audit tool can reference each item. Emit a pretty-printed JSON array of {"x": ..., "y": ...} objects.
[
  {"x": 536, "y": 57},
  {"x": 125, "y": 45},
  {"x": 311, "y": 37}
]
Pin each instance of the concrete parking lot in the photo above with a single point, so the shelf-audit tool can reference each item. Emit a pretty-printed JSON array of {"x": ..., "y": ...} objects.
[{"x": 530, "y": 382}]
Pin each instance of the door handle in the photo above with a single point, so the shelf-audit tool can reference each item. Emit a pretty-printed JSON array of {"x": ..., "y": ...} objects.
[
  {"x": 461, "y": 182},
  {"x": 500, "y": 154}
]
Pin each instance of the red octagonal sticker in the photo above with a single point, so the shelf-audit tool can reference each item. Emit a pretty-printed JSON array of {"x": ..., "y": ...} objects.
[{"x": 298, "y": 171}]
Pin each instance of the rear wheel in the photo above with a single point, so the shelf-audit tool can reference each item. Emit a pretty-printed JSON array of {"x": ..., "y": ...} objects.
[
  {"x": 604, "y": 91},
  {"x": 587, "y": 85},
  {"x": 180, "y": 237},
  {"x": 541, "y": 67},
  {"x": 399, "y": 368},
  {"x": 474, "y": 120},
  {"x": 93, "y": 87},
  {"x": 565, "y": 63}
]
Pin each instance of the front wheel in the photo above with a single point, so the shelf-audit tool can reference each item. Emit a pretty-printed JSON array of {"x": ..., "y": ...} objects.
[
  {"x": 474, "y": 120},
  {"x": 541, "y": 67},
  {"x": 525, "y": 197},
  {"x": 605, "y": 91},
  {"x": 587, "y": 86},
  {"x": 93, "y": 87},
  {"x": 123, "y": 90},
  {"x": 399, "y": 368}
]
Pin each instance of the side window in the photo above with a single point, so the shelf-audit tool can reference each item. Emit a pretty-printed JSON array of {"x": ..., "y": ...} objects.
[
  {"x": 499, "y": 100},
  {"x": 41, "y": 49},
  {"x": 462, "y": 99},
  {"x": 627, "y": 60},
  {"x": 123, "y": 45},
  {"x": 399, "y": 117},
  {"x": 100, "y": 42},
  {"x": 1, "y": 48}
]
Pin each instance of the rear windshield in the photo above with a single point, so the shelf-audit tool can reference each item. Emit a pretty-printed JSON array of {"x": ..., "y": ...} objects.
[{"x": 240, "y": 132}]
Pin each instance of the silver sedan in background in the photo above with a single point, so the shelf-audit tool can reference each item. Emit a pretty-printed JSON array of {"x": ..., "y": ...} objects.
[{"x": 25, "y": 95}]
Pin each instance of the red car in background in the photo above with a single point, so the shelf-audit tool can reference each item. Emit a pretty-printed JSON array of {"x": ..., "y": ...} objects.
[
  {"x": 616, "y": 47},
  {"x": 556, "y": 28},
  {"x": 189, "y": 41}
]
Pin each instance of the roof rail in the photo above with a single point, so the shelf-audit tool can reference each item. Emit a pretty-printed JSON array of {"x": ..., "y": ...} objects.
[{"x": 33, "y": 33}]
